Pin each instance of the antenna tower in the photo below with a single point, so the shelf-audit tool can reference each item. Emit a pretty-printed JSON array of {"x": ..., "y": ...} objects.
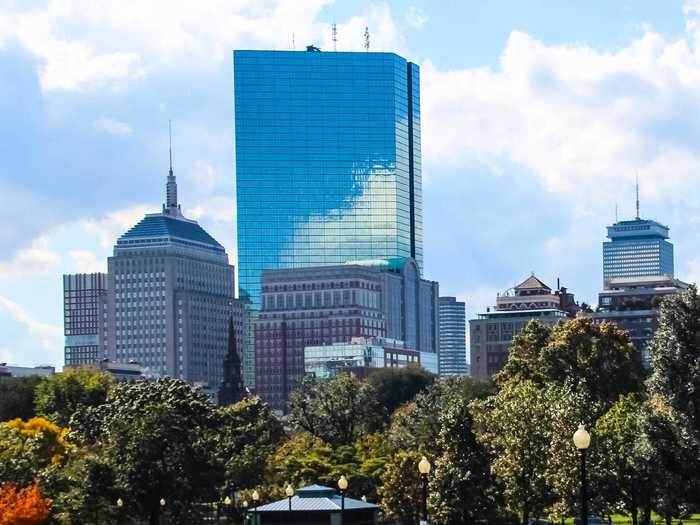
[
  {"x": 170, "y": 144},
  {"x": 637, "y": 195},
  {"x": 334, "y": 32},
  {"x": 366, "y": 38},
  {"x": 294, "y": 45}
]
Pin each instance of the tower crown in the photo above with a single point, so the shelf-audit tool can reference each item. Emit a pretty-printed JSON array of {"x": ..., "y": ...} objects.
[{"x": 171, "y": 207}]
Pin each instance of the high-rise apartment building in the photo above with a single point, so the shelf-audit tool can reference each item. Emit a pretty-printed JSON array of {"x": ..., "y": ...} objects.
[
  {"x": 492, "y": 332},
  {"x": 334, "y": 304},
  {"x": 328, "y": 160},
  {"x": 84, "y": 318},
  {"x": 637, "y": 248},
  {"x": 171, "y": 297},
  {"x": 453, "y": 347}
]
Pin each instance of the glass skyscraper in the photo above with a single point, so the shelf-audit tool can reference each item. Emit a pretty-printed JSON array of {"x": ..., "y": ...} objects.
[
  {"x": 453, "y": 348},
  {"x": 637, "y": 248},
  {"x": 328, "y": 160}
]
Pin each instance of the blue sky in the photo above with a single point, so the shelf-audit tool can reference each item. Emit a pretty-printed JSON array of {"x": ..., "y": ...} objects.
[{"x": 537, "y": 117}]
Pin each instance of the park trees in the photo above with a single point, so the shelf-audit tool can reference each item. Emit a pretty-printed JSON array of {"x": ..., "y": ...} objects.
[
  {"x": 17, "y": 397},
  {"x": 23, "y": 506}
]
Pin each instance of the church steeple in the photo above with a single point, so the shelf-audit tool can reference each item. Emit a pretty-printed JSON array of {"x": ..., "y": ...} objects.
[
  {"x": 171, "y": 207},
  {"x": 232, "y": 389}
]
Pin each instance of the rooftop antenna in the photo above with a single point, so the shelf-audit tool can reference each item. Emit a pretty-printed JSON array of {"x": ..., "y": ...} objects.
[
  {"x": 616, "y": 220},
  {"x": 170, "y": 144},
  {"x": 637, "y": 194},
  {"x": 334, "y": 32},
  {"x": 294, "y": 45},
  {"x": 366, "y": 38}
]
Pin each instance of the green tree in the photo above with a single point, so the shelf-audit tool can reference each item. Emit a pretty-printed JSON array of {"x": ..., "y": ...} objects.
[
  {"x": 514, "y": 427},
  {"x": 395, "y": 386},
  {"x": 624, "y": 458},
  {"x": 338, "y": 410},
  {"x": 246, "y": 434},
  {"x": 401, "y": 489},
  {"x": 157, "y": 438},
  {"x": 17, "y": 397},
  {"x": 58, "y": 397},
  {"x": 597, "y": 357},
  {"x": 462, "y": 488}
]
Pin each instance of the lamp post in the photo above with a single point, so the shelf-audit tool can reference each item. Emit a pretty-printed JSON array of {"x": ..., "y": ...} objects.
[
  {"x": 343, "y": 486},
  {"x": 289, "y": 491},
  {"x": 162, "y": 509},
  {"x": 424, "y": 469},
  {"x": 120, "y": 505},
  {"x": 245, "y": 511},
  {"x": 227, "y": 505},
  {"x": 256, "y": 497},
  {"x": 582, "y": 439}
]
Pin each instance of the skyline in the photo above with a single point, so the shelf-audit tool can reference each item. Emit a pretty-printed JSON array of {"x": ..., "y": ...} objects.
[{"x": 545, "y": 126}]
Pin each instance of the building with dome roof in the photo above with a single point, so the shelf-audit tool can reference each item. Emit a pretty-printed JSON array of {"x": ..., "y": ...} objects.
[{"x": 170, "y": 297}]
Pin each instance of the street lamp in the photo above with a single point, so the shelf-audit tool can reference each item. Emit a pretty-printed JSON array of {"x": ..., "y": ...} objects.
[
  {"x": 227, "y": 503},
  {"x": 424, "y": 470},
  {"x": 289, "y": 491},
  {"x": 256, "y": 497},
  {"x": 364, "y": 499},
  {"x": 582, "y": 439},
  {"x": 245, "y": 511},
  {"x": 343, "y": 486},
  {"x": 162, "y": 507}
]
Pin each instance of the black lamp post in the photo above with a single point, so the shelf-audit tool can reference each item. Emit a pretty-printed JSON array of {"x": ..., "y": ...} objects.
[
  {"x": 245, "y": 512},
  {"x": 343, "y": 486},
  {"x": 424, "y": 469},
  {"x": 289, "y": 491},
  {"x": 227, "y": 512},
  {"x": 256, "y": 497},
  {"x": 120, "y": 506},
  {"x": 162, "y": 510},
  {"x": 582, "y": 439}
]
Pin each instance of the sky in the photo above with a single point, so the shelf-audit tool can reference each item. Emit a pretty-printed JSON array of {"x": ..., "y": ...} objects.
[{"x": 537, "y": 117}]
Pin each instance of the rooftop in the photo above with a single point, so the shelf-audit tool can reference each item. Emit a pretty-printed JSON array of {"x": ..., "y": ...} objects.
[
  {"x": 160, "y": 227},
  {"x": 315, "y": 498}
]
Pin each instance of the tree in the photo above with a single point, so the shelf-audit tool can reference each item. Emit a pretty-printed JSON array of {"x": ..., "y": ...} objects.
[
  {"x": 24, "y": 506},
  {"x": 462, "y": 488},
  {"x": 28, "y": 447},
  {"x": 338, "y": 410},
  {"x": 624, "y": 458},
  {"x": 599, "y": 358},
  {"x": 401, "y": 489},
  {"x": 396, "y": 386},
  {"x": 156, "y": 436},
  {"x": 58, "y": 397},
  {"x": 17, "y": 397},
  {"x": 246, "y": 434},
  {"x": 514, "y": 427}
]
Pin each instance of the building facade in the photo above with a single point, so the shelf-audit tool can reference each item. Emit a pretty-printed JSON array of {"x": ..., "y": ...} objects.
[
  {"x": 491, "y": 333},
  {"x": 334, "y": 304},
  {"x": 453, "y": 346},
  {"x": 171, "y": 297},
  {"x": 328, "y": 160},
  {"x": 85, "y": 318},
  {"x": 8, "y": 371},
  {"x": 637, "y": 248}
]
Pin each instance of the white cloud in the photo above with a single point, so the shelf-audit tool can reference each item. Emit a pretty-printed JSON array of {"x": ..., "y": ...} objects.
[
  {"x": 84, "y": 261},
  {"x": 115, "y": 223},
  {"x": 39, "y": 257},
  {"x": 416, "y": 17},
  {"x": 115, "y": 42},
  {"x": 49, "y": 336},
  {"x": 112, "y": 126},
  {"x": 583, "y": 121}
]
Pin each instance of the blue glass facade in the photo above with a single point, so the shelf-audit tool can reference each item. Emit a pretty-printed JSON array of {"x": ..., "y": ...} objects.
[
  {"x": 637, "y": 248},
  {"x": 328, "y": 160}
]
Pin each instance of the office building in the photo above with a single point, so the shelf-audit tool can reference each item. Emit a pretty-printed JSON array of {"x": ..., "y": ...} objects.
[
  {"x": 637, "y": 248},
  {"x": 359, "y": 355},
  {"x": 453, "y": 346},
  {"x": 334, "y": 304},
  {"x": 632, "y": 303},
  {"x": 171, "y": 295},
  {"x": 7, "y": 371},
  {"x": 492, "y": 332},
  {"x": 328, "y": 160},
  {"x": 84, "y": 318}
]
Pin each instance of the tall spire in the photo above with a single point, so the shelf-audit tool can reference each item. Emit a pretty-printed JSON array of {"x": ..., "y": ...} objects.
[
  {"x": 637, "y": 195},
  {"x": 171, "y": 207}
]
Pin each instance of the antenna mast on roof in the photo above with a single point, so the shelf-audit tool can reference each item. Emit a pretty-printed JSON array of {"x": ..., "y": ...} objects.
[
  {"x": 616, "y": 211},
  {"x": 334, "y": 33},
  {"x": 366, "y": 38},
  {"x": 294, "y": 45},
  {"x": 637, "y": 194}
]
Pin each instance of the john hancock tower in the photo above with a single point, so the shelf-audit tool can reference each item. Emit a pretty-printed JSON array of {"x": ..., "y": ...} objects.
[{"x": 328, "y": 160}]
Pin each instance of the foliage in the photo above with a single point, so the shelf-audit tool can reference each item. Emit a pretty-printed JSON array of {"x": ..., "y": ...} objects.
[
  {"x": 337, "y": 411},
  {"x": 462, "y": 488},
  {"x": 395, "y": 386},
  {"x": 17, "y": 397},
  {"x": 58, "y": 397},
  {"x": 598, "y": 358},
  {"x": 156, "y": 436},
  {"x": 24, "y": 506},
  {"x": 514, "y": 426},
  {"x": 401, "y": 489},
  {"x": 28, "y": 447},
  {"x": 245, "y": 435}
]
